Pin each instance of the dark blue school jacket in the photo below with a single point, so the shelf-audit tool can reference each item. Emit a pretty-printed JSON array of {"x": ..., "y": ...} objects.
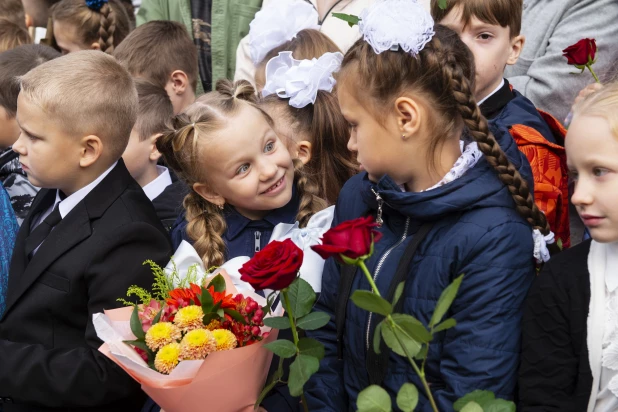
[{"x": 477, "y": 233}]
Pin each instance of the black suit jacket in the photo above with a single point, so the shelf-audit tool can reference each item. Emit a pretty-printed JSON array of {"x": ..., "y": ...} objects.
[
  {"x": 555, "y": 371},
  {"x": 49, "y": 357}
]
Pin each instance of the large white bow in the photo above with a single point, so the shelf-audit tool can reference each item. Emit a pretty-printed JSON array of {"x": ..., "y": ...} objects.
[
  {"x": 300, "y": 80},
  {"x": 278, "y": 23},
  {"x": 390, "y": 24}
]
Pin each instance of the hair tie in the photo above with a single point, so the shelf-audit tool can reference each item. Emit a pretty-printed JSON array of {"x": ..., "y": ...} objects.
[
  {"x": 277, "y": 23},
  {"x": 393, "y": 24},
  {"x": 95, "y": 5},
  {"x": 300, "y": 80}
]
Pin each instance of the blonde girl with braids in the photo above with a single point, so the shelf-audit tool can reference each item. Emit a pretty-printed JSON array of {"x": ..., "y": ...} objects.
[
  {"x": 89, "y": 25},
  {"x": 434, "y": 174},
  {"x": 242, "y": 179}
]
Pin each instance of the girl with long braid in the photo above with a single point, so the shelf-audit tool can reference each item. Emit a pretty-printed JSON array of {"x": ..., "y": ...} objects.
[{"x": 433, "y": 169}]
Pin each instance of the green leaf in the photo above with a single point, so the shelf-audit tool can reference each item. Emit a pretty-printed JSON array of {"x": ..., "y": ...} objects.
[
  {"x": 398, "y": 293},
  {"x": 218, "y": 282},
  {"x": 277, "y": 322},
  {"x": 209, "y": 317},
  {"x": 376, "y": 338},
  {"x": 390, "y": 336},
  {"x": 447, "y": 324},
  {"x": 282, "y": 348},
  {"x": 157, "y": 318},
  {"x": 412, "y": 327},
  {"x": 136, "y": 325},
  {"x": 478, "y": 396},
  {"x": 472, "y": 407},
  {"x": 422, "y": 354},
  {"x": 442, "y": 4},
  {"x": 351, "y": 19},
  {"x": 300, "y": 371},
  {"x": 311, "y": 347},
  {"x": 499, "y": 405},
  {"x": 407, "y": 397},
  {"x": 206, "y": 299},
  {"x": 302, "y": 297},
  {"x": 373, "y": 399},
  {"x": 445, "y": 301},
  {"x": 235, "y": 315},
  {"x": 313, "y": 321},
  {"x": 141, "y": 345},
  {"x": 269, "y": 301},
  {"x": 371, "y": 302}
]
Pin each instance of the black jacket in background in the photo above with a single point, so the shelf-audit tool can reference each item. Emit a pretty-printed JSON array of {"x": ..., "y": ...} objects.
[
  {"x": 168, "y": 204},
  {"x": 555, "y": 371},
  {"x": 49, "y": 358}
]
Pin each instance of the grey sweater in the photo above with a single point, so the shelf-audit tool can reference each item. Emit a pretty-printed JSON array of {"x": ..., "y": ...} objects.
[{"x": 542, "y": 73}]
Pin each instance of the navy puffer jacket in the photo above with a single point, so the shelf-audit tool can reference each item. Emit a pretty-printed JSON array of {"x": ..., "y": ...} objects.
[{"x": 478, "y": 233}]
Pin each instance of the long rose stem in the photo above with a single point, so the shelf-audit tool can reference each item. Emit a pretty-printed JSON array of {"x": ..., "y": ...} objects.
[
  {"x": 288, "y": 309},
  {"x": 589, "y": 66}
]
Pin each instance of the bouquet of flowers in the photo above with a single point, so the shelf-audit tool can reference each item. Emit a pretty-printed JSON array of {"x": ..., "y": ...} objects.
[{"x": 192, "y": 337}]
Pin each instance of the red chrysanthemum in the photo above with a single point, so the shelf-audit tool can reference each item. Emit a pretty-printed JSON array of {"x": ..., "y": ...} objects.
[{"x": 182, "y": 297}]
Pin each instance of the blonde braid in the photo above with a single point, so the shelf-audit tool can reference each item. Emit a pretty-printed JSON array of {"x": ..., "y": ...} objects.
[
  {"x": 107, "y": 29},
  {"x": 205, "y": 226},
  {"x": 308, "y": 191}
]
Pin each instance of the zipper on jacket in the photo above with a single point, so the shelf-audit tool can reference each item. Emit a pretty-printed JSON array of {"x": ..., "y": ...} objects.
[
  {"x": 258, "y": 236},
  {"x": 379, "y": 267},
  {"x": 380, "y": 201}
]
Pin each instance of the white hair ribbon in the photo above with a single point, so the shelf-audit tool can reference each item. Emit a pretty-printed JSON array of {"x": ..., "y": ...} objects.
[
  {"x": 391, "y": 24},
  {"x": 541, "y": 253},
  {"x": 300, "y": 80},
  {"x": 279, "y": 22}
]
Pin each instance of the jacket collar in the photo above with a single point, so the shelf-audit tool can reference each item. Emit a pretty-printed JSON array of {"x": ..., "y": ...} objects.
[
  {"x": 494, "y": 104},
  {"x": 236, "y": 223}
]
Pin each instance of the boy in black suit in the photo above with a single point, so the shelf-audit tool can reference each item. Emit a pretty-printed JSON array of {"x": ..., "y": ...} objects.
[
  {"x": 141, "y": 155},
  {"x": 83, "y": 243}
]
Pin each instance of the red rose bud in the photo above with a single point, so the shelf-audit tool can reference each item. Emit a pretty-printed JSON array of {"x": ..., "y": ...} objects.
[
  {"x": 581, "y": 53},
  {"x": 352, "y": 239},
  {"x": 274, "y": 267}
]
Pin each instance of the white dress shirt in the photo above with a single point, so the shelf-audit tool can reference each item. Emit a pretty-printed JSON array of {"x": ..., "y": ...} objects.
[{"x": 157, "y": 186}]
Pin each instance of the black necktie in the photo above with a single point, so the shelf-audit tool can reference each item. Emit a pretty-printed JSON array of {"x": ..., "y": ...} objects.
[{"x": 40, "y": 233}]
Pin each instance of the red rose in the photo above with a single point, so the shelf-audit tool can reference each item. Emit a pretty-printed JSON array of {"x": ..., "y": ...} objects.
[
  {"x": 352, "y": 239},
  {"x": 274, "y": 267},
  {"x": 581, "y": 53}
]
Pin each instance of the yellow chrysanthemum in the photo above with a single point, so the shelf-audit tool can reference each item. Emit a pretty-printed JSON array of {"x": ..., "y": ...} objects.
[
  {"x": 189, "y": 318},
  {"x": 214, "y": 324},
  {"x": 167, "y": 358},
  {"x": 197, "y": 344},
  {"x": 225, "y": 339},
  {"x": 161, "y": 334}
]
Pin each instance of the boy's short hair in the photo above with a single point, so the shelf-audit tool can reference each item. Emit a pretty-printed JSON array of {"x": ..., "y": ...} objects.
[
  {"x": 88, "y": 93},
  {"x": 17, "y": 62},
  {"x": 174, "y": 51},
  {"x": 13, "y": 10},
  {"x": 155, "y": 109},
  {"x": 505, "y": 13},
  {"x": 12, "y": 35}
]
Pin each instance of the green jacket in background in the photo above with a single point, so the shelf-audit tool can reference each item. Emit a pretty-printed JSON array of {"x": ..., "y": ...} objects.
[{"x": 230, "y": 23}]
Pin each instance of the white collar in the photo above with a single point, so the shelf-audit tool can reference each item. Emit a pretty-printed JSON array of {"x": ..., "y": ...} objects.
[
  {"x": 480, "y": 102},
  {"x": 611, "y": 267},
  {"x": 157, "y": 186},
  {"x": 70, "y": 202}
]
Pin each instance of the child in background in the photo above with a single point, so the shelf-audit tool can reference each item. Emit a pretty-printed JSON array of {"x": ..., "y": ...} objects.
[
  {"x": 14, "y": 63},
  {"x": 491, "y": 29},
  {"x": 432, "y": 167},
  {"x": 308, "y": 118},
  {"x": 570, "y": 345},
  {"x": 89, "y": 25},
  {"x": 12, "y": 35},
  {"x": 242, "y": 178},
  {"x": 173, "y": 66},
  {"x": 83, "y": 244},
  {"x": 141, "y": 155}
]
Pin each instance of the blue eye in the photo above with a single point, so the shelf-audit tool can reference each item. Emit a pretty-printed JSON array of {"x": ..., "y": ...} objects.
[
  {"x": 243, "y": 169},
  {"x": 269, "y": 147},
  {"x": 599, "y": 171}
]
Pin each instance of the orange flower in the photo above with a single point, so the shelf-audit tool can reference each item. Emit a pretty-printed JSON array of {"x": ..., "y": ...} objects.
[
  {"x": 227, "y": 301},
  {"x": 182, "y": 297}
]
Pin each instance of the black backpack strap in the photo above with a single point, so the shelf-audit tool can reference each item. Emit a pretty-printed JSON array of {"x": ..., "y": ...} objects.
[
  {"x": 7, "y": 156},
  {"x": 377, "y": 364},
  {"x": 345, "y": 288}
]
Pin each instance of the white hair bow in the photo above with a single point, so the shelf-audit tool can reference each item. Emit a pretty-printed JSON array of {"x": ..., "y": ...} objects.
[
  {"x": 279, "y": 22},
  {"x": 390, "y": 24},
  {"x": 300, "y": 80}
]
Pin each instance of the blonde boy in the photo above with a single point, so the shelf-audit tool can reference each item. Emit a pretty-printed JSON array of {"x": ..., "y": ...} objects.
[{"x": 83, "y": 243}]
